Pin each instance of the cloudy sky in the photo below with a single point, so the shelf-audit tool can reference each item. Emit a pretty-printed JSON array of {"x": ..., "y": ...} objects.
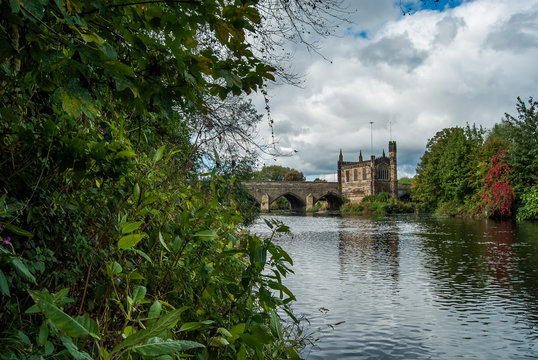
[{"x": 410, "y": 75}]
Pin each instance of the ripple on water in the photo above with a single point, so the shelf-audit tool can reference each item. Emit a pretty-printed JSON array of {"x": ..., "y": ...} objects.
[{"x": 414, "y": 288}]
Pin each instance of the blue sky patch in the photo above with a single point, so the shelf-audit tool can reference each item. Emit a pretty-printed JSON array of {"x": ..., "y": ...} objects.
[
  {"x": 356, "y": 34},
  {"x": 410, "y": 7}
]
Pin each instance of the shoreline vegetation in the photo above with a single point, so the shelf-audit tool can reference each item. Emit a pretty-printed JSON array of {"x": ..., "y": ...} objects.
[
  {"x": 379, "y": 204},
  {"x": 116, "y": 241}
]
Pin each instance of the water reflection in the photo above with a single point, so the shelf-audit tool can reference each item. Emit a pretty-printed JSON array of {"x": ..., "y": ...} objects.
[
  {"x": 412, "y": 287},
  {"x": 369, "y": 244}
]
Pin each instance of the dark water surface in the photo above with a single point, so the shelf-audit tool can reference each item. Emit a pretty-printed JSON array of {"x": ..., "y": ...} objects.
[{"x": 411, "y": 287}]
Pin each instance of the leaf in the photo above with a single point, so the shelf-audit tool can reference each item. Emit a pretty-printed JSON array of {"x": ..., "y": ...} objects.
[
  {"x": 116, "y": 268},
  {"x": 4, "y": 286},
  {"x": 17, "y": 230},
  {"x": 242, "y": 354},
  {"x": 236, "y": 331},
  {"x": 275, "y": 325},
  {"x": 126, "y": 154},
  {"x": 268, "y": 223},
  {"x": 24, "y": 338},
  {"x": 157, "y": 346},
  {"x": 73, "y": 349},
  {"x": 164, "y": 323},
  {"x": 207, "y": 234},
  {"x": 154, "y": 312},
  {"x": 261, "y": 253},
  {"x": 143, "y": 254},
  {"x": 190, "y": 326},
  {"x": 139, "y": 294},
  {"x": 130, "y": 227},
  {"x": 80, "y": 326},
  {"x": 129, "y": 241},
  {"x": 136, "y": 193},
  {"x": 23, "y": 270},
  {"x": 158, "y": 154},
  {"x": 34, "y": 309},
  {"x": 49, "y": 348},
  {"x": 280, "y": 287},
  {"x": 224, "y": 332},
  {"x": 161, "y": 240},
  {"x": 43, "y": 334},
  {"x": 218, "y": 341}
]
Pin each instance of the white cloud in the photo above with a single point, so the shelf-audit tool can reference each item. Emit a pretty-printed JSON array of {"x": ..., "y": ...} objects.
[{"x": 420, "y": 73}]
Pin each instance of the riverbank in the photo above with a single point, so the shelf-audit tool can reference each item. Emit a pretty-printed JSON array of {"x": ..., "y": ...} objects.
[
  {"x": 379, "y": 204},
  {"x": 408, "y": 286}
]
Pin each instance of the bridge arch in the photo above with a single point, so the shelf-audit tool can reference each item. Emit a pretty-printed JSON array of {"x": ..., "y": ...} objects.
[
  {"x": 302, "y": 195},
  {"x": 333, "y": 199},
  {"x": 296, "y": 203}
]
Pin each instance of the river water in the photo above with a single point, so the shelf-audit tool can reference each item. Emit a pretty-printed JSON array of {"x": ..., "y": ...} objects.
[{"x": 414, "y": 287}]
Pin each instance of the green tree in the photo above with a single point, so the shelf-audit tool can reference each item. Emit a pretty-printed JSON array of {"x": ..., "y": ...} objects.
[
  {"x": 522, "y": 140},
  {"x": 444, "y": 172},
  {"x": 522, "y": 134},
  {"x": 271, "y": 173},
  {"x": 294, "y": 175},
  {"x": 101, "y": 109}
]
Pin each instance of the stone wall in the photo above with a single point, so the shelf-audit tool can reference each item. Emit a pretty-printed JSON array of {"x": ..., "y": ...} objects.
[{"x": 362, "y": 178}]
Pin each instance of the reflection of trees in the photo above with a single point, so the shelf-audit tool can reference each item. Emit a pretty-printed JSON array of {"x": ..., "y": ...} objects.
[
  {"x": 457, "y": 253},
  {"x": 482, "y": 262},
  {"x": 526, "y": 252},
  {"x": 369, "y": 245}
]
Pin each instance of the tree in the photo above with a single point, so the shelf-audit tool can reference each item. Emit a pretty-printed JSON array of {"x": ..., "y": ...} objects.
[
  {"x": 294, "y": 175},
  {"x": 522, "y": 156},
  {"x": 271, "y": 173},
  {"x": 101, "y": 104},
  {"x": 444, "y": 172},
  {"x": 497, "y": 193},
  {"x": 522, "y": 134}
]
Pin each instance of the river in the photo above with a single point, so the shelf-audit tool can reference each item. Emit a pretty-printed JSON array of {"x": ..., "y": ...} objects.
[{"x": 414, "y": 287}]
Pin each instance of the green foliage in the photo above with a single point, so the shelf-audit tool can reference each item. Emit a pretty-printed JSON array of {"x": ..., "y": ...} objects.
[
  {"x": 379, "y": 204},
  {"x": 280, "y": 204},
  {"x": 522, "y": 141},
  {"x": 460, "y": 175},
  {"x": 405, "y": 180},
  {"x": 351, "y": 209},
  {"x": 111, "y": 245},
  {"x": 271, "y": 173},
  {"x": 529, "y": 204},
  {"x": 294, "y": 175},
  {"x": 445, "y": 172}
]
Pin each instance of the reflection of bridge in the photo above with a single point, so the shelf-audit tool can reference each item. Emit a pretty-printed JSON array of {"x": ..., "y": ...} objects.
[{"x": 302, "y": 195}]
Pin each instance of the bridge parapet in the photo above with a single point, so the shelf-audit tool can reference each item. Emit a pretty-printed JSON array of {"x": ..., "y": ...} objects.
[{"x": 300, "y": 194}]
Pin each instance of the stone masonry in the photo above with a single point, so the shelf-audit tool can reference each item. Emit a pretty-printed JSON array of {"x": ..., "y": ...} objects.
[{"x": 368, "y": 177}]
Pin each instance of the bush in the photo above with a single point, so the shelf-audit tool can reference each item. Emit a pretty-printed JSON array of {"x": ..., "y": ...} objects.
[
  {"x": 450, "y": 208},
  {"x": 381, "y": 203},
  {"x": 529, "y": 204}
]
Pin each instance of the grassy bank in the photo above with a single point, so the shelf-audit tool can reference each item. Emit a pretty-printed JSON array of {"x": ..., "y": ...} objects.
[{"x": 379, "y": 204}]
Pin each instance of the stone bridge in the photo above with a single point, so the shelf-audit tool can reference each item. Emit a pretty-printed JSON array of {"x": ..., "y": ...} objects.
[{"x": 302, "y": 195}]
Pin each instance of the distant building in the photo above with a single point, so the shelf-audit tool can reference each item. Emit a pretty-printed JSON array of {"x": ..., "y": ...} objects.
[{"x": 368, "y": 177}]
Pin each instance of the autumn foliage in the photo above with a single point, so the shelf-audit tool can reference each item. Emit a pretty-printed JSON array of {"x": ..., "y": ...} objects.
[{"x": 497, "y": 194}]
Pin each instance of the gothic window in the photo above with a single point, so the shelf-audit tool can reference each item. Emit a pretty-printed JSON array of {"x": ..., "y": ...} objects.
[
  {"x": 364, "y": 174},
  {"x": 355, "y": 175},
  {"x": 347, "y": 175}
]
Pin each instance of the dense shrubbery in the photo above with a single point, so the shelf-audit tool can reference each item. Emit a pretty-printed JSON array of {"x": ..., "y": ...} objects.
[
  {"x": 113, "y": 244},
  {"x": 379, "y": 204},
  {"x": 463, "y": 172}
]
